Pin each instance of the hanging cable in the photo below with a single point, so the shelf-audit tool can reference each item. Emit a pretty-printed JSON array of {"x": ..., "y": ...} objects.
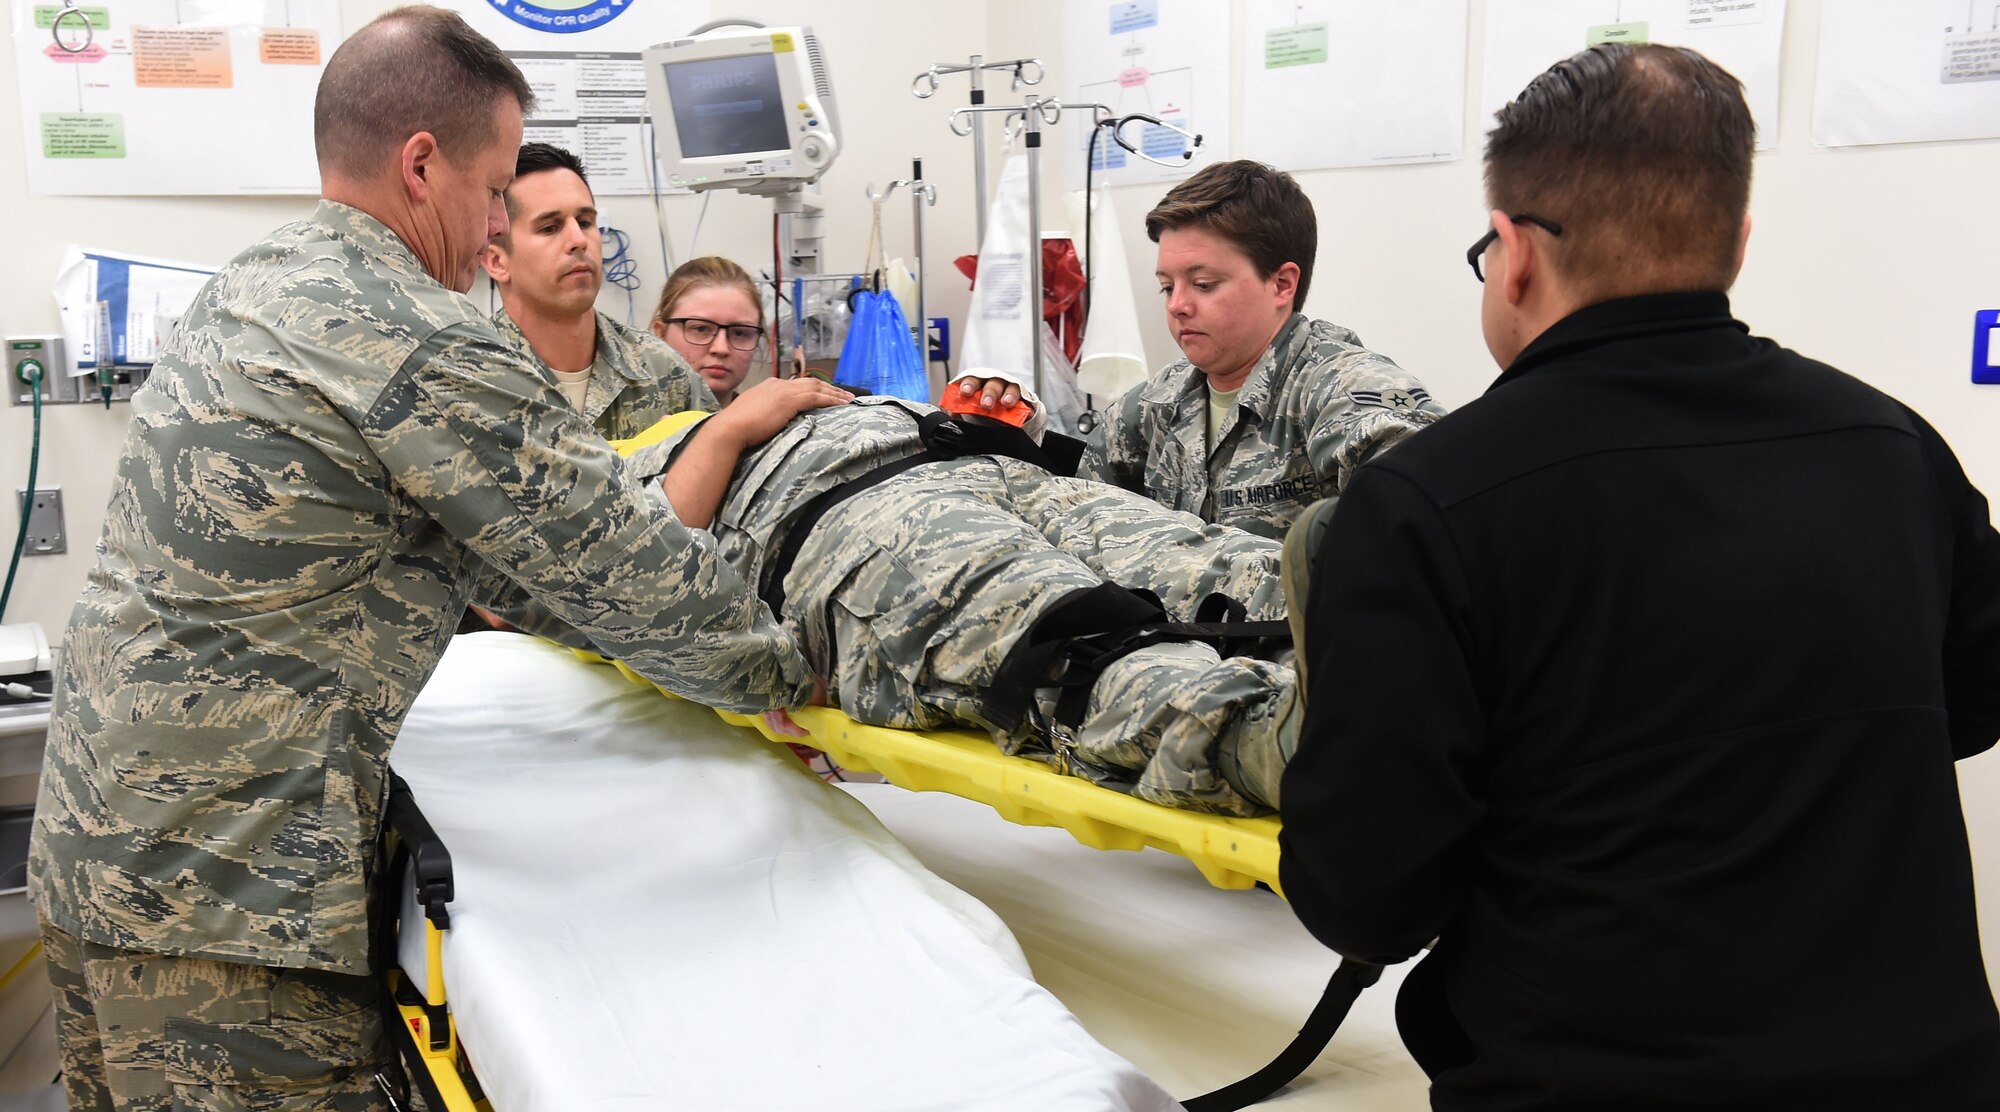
[
  {"x": 28, "y": 503},
  {"x": 653, "y": 183},
  {"x": 1089, "y": 256},
  {"x": 1087, "y": 420},
  {"x": 777, "y": 287},
  {"x": 694, "y": 243},
  {"x": 620, "y": 268}
]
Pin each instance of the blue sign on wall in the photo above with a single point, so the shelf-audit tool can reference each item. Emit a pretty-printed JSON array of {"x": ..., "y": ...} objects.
[
  {"x": 562, "y": 17},
  {"x": 1135, "y": 16}
]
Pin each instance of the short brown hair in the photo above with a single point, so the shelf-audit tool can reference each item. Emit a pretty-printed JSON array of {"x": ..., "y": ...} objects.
[
  {"x": 413, "y": 69},
  {"x": 534, "y": 159},
  {"x": 1259, "y": 209},
  {"x": 1642, "y": 154},
  {"x": 709, "y": 270}
]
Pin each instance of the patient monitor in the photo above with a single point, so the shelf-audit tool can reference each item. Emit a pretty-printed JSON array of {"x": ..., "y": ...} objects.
[{"x": 742, "y": 107}]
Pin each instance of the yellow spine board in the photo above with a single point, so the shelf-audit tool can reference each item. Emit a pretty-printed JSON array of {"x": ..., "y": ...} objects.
[{"x": 1230, "y": 852}]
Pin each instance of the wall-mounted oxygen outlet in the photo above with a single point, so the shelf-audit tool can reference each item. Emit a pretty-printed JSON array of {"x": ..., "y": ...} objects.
[
  {"x": 27, "y": 356},
  {"x": 45, "y": 521}
]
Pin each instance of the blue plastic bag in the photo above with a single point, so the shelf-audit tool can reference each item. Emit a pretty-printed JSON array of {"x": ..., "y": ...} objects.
[{"x": 880, "y": 356}]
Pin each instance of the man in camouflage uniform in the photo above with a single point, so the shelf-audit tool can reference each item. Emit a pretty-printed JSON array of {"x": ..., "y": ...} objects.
[
  {"x": 1270, "y": 411},
  {"x": 910, "y": 594},
  {"x": 328, "y": 448},
  {"x": 549, "y": 266}
]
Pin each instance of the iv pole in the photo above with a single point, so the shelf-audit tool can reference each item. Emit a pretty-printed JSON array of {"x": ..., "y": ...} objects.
[
  {"x": 921, "y": 193},
  {"x": 1033, "y": 113},
  {"x": 925, "y": 85}
]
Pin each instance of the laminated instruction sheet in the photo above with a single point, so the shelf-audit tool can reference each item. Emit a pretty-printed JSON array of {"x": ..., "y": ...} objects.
[
  {"x": 1745, "y": 37},
  {"x": 171, "y": 97},
  {"x": 1914, "y": 72}
]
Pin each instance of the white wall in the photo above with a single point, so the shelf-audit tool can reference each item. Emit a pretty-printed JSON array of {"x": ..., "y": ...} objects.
[{"x": 1872, "y": 259}]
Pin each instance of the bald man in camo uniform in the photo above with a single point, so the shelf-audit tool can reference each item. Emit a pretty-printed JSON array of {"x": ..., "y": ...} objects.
[{"x": 326, "y": 452}]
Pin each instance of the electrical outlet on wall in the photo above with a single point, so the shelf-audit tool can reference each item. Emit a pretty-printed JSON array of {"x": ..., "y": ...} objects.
[{"x": 45, "y": 522}]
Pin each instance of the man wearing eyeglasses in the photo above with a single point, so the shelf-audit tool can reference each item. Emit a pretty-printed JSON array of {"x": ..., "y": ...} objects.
[{"x": 1690, "y": 630}]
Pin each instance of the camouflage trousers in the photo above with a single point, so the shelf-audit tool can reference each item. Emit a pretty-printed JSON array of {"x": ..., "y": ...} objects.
[
  {"x": 142, "y": 1031},
  {"x": 911, "y": 593}
]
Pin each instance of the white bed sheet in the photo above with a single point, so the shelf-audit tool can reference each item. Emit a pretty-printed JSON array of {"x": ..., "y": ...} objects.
[
  {"x": 1195, "y": 985},
  {"x": 655, "y": 909}
]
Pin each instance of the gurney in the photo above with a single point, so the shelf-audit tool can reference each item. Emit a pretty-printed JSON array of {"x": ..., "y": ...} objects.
[
  {"x": 1231, "y": 853},
  {"x": 648, "y": 909}
]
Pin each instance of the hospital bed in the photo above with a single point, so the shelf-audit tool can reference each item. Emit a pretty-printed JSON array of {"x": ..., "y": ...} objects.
[{"x": 644, "y": 909}]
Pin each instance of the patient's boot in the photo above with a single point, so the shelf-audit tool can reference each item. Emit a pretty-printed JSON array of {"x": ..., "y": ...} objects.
[
  {"x": 1295, "y": 568},
  {"x": 1254, "y": 754},
  {"x": 1197, "y": 718}
]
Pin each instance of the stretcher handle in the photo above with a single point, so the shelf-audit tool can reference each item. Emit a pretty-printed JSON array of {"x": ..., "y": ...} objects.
[
  {"x": 1342, "y": 989},
  {"x": 430, "y": 861}
]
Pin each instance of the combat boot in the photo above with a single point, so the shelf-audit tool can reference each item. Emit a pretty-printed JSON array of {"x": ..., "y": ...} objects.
[{"x": 1302, "y": 540}]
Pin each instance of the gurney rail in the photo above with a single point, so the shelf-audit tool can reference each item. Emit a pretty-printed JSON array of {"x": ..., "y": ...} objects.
[
  {"x": 430, "y": 860},
  {"x": 421, "y": 1022},
  {"x": 430, "y": 871}
]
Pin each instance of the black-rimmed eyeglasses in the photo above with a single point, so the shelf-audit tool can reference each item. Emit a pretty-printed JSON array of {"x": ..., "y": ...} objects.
[
  {"x": 1478, "y": 250},
  {"x": 701, "y": 330}
]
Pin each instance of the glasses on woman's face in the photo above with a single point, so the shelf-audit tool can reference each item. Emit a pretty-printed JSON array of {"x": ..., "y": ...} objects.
[{"x": 701, "y": 330}]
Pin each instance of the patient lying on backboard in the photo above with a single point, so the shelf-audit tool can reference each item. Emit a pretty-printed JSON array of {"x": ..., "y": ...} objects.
[{"x": 981, "y": 589}]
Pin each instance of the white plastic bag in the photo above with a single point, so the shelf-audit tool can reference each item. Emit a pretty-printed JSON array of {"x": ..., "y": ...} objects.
[
  {"x": 997, "y": 339},
  {"x": 1062, "y": 398},
  {"x": 1113, "y": 360}
]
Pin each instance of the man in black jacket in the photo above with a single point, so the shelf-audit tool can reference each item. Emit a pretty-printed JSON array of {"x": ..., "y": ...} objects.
[{"x": 1688, "y": 631}]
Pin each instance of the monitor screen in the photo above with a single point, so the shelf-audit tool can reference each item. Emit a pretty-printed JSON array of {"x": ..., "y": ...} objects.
[{"x": 728, "y": 106}]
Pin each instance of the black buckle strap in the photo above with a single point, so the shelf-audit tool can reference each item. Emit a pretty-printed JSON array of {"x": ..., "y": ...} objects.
[
  {"x": 1346, "y": 984},
  {"x": 1059, "y": 643},
  {"x": 1225, "y": 623},
  {"x": 944, "y": 437},
  {"x": 1091, "y": 628},
  {"x": 780, "y": 563},
  {"x": 431, "y": 860}
]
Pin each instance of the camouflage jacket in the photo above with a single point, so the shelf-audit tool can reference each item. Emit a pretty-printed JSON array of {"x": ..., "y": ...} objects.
[
  {"x": 635, "y": 380},
  {"x": 326, "y": 450},
  {"x": 1313, "y": 409},
  {"x": 816, "y": 451}
]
